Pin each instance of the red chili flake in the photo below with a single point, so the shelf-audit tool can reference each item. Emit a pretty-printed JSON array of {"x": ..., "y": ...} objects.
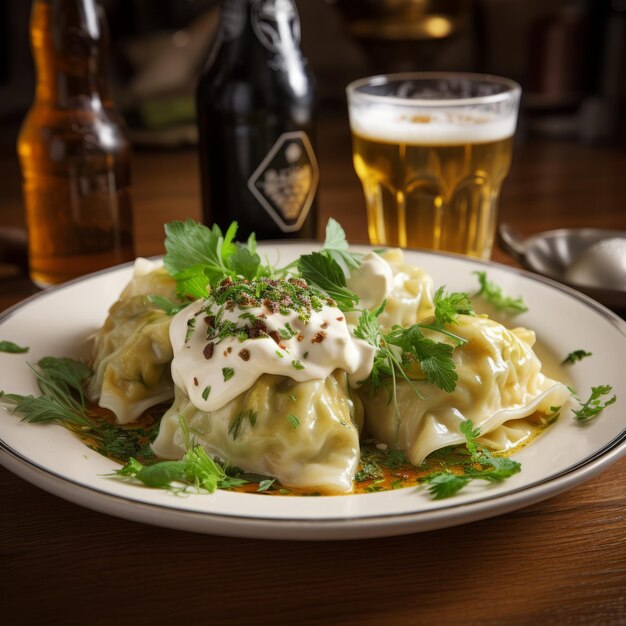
[
  {"x": 319, "y": 337},
  {"x": 244, "y": 354},
  {"x": 340, "y": 319},
  {"x": 274, "y": 335},
  {"x": 208, "y": 350},
  {"x": 195, "y": 381},
  {"x": 324, "y": 325}
]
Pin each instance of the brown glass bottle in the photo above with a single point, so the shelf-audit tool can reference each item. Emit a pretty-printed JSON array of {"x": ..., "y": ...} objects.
[
  {"x": 255, "y": 104},
  {"x": 73, "y": 149}
]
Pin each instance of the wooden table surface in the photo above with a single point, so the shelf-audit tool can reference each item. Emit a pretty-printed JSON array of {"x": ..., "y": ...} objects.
[{"x": 562, "y": 561}]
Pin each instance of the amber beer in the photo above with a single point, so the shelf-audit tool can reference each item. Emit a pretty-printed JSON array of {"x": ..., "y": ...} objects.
[
  {"x": 73, "y": 149},
  {"x": 432, "y": 174}
]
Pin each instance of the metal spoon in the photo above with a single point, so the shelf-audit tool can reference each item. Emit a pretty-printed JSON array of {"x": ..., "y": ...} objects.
[{"x": 554, "y": 252}]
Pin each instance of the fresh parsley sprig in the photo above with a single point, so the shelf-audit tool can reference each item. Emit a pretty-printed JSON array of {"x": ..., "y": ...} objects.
[
  {"x": 199, "y": 257},
  {"x": 482, "y": 465},
  {"x": 594, "y": 405},
  {"x": 493, "y": 294},
  {"x": 400, "y": 348}
]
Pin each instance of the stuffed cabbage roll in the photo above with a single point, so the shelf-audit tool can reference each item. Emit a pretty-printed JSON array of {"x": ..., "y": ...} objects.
[
  {"x": 132, "y": 350},
  {"x": 500, "y": 380},
  {"x": 305, "y": 434}
]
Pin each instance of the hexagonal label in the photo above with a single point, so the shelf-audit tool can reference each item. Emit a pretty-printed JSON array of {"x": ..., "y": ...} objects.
[{"x": 286, "y": 180}]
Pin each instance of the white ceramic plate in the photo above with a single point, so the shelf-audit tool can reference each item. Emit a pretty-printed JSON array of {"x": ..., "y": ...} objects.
[{"x": 57, "y": 322}]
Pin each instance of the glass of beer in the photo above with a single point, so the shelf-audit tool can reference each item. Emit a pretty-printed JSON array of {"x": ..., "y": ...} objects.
[{"x": 432, "y": 150}]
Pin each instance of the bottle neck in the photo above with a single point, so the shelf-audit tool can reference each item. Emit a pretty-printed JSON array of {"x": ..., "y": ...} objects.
[{"x": 69, "y": 47}]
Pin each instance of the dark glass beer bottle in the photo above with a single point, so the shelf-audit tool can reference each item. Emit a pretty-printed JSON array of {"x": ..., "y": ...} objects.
[
  {"x": 255, "y": 103},
  {"x": 73, "y": 150}
]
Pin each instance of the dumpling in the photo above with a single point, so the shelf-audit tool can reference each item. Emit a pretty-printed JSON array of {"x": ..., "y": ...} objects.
[
  {"x": 500, "y": 380},
  {"x": 305, "y": 434},
  {"x": 410, "y": 299},
  {"x": 132, "y": 350}
]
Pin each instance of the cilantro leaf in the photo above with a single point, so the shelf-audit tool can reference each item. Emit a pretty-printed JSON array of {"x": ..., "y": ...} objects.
[
  {"x": 9, "y": 346},
  {"x": 493, "y": 294},
  {"x": 326, "y": 274},
  {"x": 594, "y": 405}
]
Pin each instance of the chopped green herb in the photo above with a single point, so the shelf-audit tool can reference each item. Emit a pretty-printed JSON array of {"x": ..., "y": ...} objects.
[
  {"x": 237, "y": 422},
  {"x": 205, "y": 392},
  {"x": 266, "y": 484},
  {"x": 9, "y": 346},
  {"x": 293, "y": 420},
  {"x": 228, "y": 373},
  {"x": 292, "y": 397},
  {"x": 191, "y": 326},
  {"x": 494, "y": 469},
  {"x": 594, "y": 404},
  {"x": 279, "y": 354},
  {"x": 165, "y": 304},
  {"x": 297, "y": 365},
  {"x": 195, "y": 469},
  {"x": 576, "y": 355},
  {"x": 493, "y": 294}
]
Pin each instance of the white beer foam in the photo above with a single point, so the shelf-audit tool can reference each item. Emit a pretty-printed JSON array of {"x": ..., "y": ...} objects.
[{"x": 431, "y": 128}]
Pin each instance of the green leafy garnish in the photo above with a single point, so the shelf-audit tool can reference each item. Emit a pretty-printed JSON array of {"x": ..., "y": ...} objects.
[
  {"x": 13, "y": 348},
  {"x": 400, "y": 348},
  {"x": 165, "y": 304},
  {"x": 199, "y": 257},
  {"x": 594, "y": 405},
  {"x": 325, "y": 273},
  {"x": 336, "y": 247},
  {"x": 265, "y": 484},
  {"x": 196, "y": 469},
  {"x": 483, "y": 465},
  {"x": 228, "y": 373},
  {"x": 493, "y": 294},
  {"x": 576, "y": 355},
  {"x": 293, "y": 420},
  {"x": 62, "y": 399}
]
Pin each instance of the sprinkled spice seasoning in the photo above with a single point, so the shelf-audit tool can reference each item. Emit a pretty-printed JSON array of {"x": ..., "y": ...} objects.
[{"x": 244, "y": 354}]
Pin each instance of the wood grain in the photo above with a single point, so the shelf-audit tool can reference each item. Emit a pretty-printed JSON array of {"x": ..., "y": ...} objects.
[{"x": 562, "y": 561}]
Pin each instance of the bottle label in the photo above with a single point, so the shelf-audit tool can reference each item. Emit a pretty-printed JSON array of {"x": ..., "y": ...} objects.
[
  {"x": 276, "y": 25},
  {"x": 285, "y": 182}
]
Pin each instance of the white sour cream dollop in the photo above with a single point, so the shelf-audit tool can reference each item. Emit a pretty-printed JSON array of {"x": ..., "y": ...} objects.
[
  {"x": 316, "y": 349},
  {"x": 372, "y": 281}
]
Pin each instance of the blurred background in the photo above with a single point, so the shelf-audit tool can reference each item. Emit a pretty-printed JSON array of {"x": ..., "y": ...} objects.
[{"x": 568, "y": 55}]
